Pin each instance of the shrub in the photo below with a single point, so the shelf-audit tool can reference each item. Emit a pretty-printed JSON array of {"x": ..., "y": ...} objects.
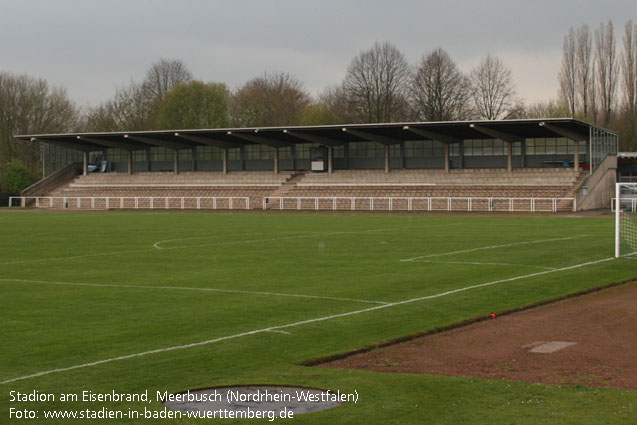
[{"x": 16, "y": 177}]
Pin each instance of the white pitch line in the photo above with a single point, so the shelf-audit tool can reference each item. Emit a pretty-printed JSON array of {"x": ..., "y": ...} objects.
[
  {"x": 156, "y": 244},
  {"x": 157, "y": 248},
  {"x": 74, "y": 257},
  {"x": 290, "y": 325},
  {"x": 483, "y": 264},
  {"x": 281, "y": 238},
  {"x": 493, "y": 247},
  {"x": 186, "y": 288},
  {"x": 281, "y": 332}
]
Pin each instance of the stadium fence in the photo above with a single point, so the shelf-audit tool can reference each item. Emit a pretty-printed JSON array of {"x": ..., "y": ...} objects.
[
  {"x": 419, "y": 203},
  {"x": 130, "y": 202}
]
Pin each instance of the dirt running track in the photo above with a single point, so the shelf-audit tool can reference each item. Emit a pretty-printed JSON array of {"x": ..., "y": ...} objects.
[{"x": 603, "y": 326}]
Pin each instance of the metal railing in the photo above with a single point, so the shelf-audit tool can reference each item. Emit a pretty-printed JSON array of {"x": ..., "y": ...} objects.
[
  {"x": 356, "y": 203},
  {"x": 628, "y": 204},
  {"x": 333, "y": 203},
  {"x": 133, "y": 202}
]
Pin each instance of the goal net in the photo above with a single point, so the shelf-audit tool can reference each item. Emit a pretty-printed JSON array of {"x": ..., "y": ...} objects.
[{"x": 626, "y": 220}]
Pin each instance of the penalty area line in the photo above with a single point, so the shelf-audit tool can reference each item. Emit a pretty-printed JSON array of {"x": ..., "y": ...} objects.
[
  {"x": 294, "y": 324},
  {"x": 476, "y": 263},
  {"x": 186, "y": 288},
  {"x": 492, "y": 247}
]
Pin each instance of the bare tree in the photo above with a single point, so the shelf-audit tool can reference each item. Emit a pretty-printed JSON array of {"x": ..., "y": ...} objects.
[
  {"x": 376, "y": 84},
  {"x": 567, "y": 75},
  {"x": 29, "y": 106},
  {"x": 549, "y": 109},
  {"x": 98, "y": 118},
  {"x": 607, "y": 71},
  {"x": 133, "y": 107},
  {"x": 629, "y": 63},
  {"x": 439, "y": 92},
  {"x": 163, "y": 75},
  {"x": 269, "y": 100},
  {"x": 335, "y": 99},
  {"x": 195, "y": 105},
  {"x": 492, "y": 90},
  {"x": 584, "y": 72},
  {"x": 594, "y": 102}
]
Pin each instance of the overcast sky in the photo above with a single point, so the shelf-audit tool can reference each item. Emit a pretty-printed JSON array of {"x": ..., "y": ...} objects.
[{"x": 94, "y": 47}]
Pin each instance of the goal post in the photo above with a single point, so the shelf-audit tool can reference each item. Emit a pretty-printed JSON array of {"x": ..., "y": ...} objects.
[{"x": 626, "y": 220}]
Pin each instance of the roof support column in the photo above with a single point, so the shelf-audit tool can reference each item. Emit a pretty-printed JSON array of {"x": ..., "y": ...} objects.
[
  {"x": 387, "y": 158},
  {"x": 509, "y": 156},
  {"x": 130, "y": 162},
  {"x": 446, "y": 157},
  {"x": 293, "y": 151},
  {"x": 276, "y": 160},
  {"x": 176, "y": 161},
  {"x": 84, "y": 163},
  {"x": 330, "y": 159},
  {"x": 225, "y": 160},
  {"x": 576, "y": 162},
  {"x": 523, "y": 153}
]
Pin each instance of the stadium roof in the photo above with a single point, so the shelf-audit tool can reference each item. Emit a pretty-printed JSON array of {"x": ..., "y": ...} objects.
[{"x": 330, "y": 135}]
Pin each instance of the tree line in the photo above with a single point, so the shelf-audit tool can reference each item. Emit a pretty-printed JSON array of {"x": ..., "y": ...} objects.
[
  {"x": 379, "y": 86},
  {"x": 598, "y": 79}
]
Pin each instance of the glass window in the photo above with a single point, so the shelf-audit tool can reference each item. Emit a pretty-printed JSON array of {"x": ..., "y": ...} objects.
[
  {"x": 303, "y": 150},
  {"x": 454, "y": 149},
  {"x": 420, "y": 148},
  {"x": 366, "y": 150},
  {"x": 468, "y": 148},
  {"x": 185, "y": 154},
  {"x": 209, "y": 153},
  {"x": 517, "y": 148},
  {"x": 234, "y": 153},
  {"x": 338, "y": 152},
  {"x": 551, "y": 146},
  {"x": 117, "y": 155},
  {"x": 139, "y": 156},
  {"x": 487, "y": 147},
  {"x": 56, "y": 157},
  {"x": 285, "y": 152},
  {"x": 413, "y": 148},
  {"x": 161, "y": 154},
  {"x": 259, "y": 152}
]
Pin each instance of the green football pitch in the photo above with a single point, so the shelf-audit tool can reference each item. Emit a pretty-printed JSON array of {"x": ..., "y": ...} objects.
[{"x": 129, "y": 302}]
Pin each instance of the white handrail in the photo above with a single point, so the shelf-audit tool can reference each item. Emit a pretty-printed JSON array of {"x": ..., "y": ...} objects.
[
  {"x": 632, "y": 202},
  {"x": 414, "y": 203},
  {"x": 353, "y": 203},
  {"x": 135, "y": 202}
]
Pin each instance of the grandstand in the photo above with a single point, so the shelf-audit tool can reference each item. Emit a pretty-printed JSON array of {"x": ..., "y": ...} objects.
[{"x": 509, "y": 165}]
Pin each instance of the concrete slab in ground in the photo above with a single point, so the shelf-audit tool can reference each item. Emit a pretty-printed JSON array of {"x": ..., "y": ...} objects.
[{"x": 549, "y": 347}]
